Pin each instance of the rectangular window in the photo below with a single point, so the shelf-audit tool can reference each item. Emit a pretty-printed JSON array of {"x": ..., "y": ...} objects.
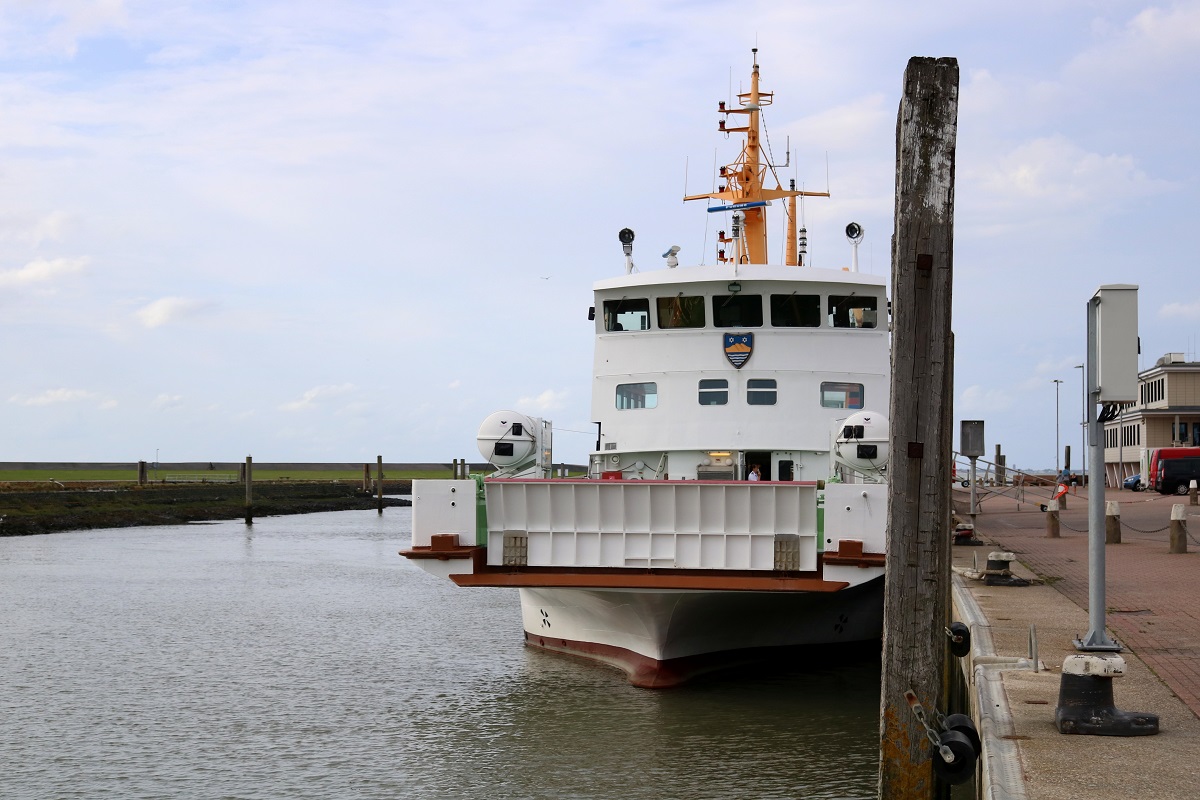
[
  {"x": 737, "y": 310},
  {"x": 841, "y": 395},
  {"x": 637, "y": 395},
  {"x": 853, "y": 311},
  {"x": 796, "y": 310},
  {"x": 760, "y": 392},
  {"x": 627, "y": 314},
  {"x": 680, "y": 312},
  {"x": 714, "y": 392}
]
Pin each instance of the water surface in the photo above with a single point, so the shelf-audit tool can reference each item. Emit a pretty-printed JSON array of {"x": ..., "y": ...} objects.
[{"x": 303, "y": 658}]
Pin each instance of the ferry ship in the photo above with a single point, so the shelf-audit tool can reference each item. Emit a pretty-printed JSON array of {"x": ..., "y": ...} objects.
[{"x": 735, "y": 504}]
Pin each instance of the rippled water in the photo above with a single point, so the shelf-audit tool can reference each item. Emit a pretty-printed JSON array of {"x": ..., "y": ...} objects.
[{"x": 303, "y": 658}]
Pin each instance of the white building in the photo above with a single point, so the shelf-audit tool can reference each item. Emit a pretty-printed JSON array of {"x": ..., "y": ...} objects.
[{"x": 1166, "y": 414}]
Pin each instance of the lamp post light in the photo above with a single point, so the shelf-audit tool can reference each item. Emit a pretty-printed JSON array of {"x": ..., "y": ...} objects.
[
  {"x": 1056, "y": 439},
  {"x": 1083, "y": 419}
]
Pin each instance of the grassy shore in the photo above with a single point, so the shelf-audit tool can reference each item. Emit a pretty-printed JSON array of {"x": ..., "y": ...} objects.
[{"x": 50, "y": 505}]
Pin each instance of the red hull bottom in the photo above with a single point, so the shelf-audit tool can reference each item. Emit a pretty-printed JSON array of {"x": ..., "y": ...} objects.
[{"x": 648, "y": 673}]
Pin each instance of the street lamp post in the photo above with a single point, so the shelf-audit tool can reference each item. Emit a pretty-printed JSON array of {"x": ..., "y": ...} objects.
[
  {"x": 1083, "y": 418},
  {"x": 1057, "y": 471}
]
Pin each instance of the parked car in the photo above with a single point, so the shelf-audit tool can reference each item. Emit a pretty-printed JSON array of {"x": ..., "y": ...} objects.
[
  {"x": 1133, "y": 482},
  {"x": 1175, "y": 475}
]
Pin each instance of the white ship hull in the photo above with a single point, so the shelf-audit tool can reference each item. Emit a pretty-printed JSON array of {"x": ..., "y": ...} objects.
[{"x": 663, "y": 637}]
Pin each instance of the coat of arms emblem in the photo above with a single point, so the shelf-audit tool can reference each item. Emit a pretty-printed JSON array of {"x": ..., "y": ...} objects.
[{"x": 738, "y": 347}]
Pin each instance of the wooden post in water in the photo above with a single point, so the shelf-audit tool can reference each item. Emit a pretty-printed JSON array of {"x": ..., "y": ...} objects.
[
  {"x": 142, "y": 474},
  {"x": 249, "y": 491},
  {"x": 379, "y": 482},
  {"x": 366, "y": 477},
  {"x": 917, "y": 597}
]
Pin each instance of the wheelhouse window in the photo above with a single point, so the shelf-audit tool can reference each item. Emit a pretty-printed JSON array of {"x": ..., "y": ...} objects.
[
  {"x": 714, "y": 392},
  {"x": 796, "y": 310},
  {"x": 680, "y": 312},
  {"x": 737, "y": 310},
  {"x": 841, "y": 395},
  {"x": 760, "y": 392},
  {"x": 627, "y": 314},
  {"x": 637, "y": 395},
  {"x": 853, "y": 311}
]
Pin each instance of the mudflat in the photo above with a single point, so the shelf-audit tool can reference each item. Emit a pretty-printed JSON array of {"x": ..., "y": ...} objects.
[{"x": 48, "y": 508}]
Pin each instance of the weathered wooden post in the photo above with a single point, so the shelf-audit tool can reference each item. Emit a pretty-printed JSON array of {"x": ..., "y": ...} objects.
[
  {"x": 1052, "y": 521},
  {"x": 916, "y": 594},
  {"x": 142, "y": 475},
  {"x": 379, "y": 482},
  {"x": 249, "y": 492},
  {"x": 1178, "y": 529},
  {"x": 366, "y": 477},
  {"x": 1112, "y": 522}
]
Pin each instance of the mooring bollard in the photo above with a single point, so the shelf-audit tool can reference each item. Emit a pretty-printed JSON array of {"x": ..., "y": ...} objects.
[
  {"x": 1178, "y": 529},
  {"x": 1052, "y": 519},
  {"x": 1085, "y": 700},
  {"x": 1112, "y": 522},
  {"x": 1192, "y": 491}
]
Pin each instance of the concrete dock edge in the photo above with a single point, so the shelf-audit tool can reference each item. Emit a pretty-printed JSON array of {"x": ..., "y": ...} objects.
[{"x": 1000, "y": 774}]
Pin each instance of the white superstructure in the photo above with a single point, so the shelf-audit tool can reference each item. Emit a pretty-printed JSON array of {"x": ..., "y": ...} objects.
[{"x": 735, "y": 502}]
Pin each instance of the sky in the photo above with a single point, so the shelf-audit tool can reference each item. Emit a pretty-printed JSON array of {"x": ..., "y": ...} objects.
[{"x": 313, "y": 231}]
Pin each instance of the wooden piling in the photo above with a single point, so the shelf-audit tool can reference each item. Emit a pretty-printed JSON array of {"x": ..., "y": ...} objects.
[
  {"x": 1112, "y": 522},
  {"x": 1178, "y": 529},
  {"x": 916, "y": 589},
  {"x": 1052, "y": 521},
  {"x": 142, "y": 474},
  {"x": 379, "y": 482},
  {"x": 249, "y": 491}
]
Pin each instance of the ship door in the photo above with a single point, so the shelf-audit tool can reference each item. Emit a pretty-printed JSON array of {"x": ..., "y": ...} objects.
[
  {"x": 786, "y": 471},
  {"x": 763, "y": 459}
]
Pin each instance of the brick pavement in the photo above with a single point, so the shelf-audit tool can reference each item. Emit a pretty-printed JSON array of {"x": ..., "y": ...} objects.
[{"x": 1153, "y": 596}]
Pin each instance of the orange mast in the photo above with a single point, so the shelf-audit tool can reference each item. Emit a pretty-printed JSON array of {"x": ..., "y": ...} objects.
[{"x": 743, "y": 190}]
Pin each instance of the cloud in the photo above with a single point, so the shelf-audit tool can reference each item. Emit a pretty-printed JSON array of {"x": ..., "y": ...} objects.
[
  {"x": 978, "y": 399},
  {"x": 171, "y": 309},
  {"x": 25, "y": 228},
  {"x": 41, "y": 271},
  {"x": 1053, "y": 174},
  {"x": 309, "y": 399},
  {"x": 1181, "y": 310},
  {"x": 1156, "y": 41},
  {"x": 168, "y": 401},
  {"x": 454, "y": 384},
  {"x": 548, "y": 400},
  {"x": 51, "y": 397},
  {"x": 64, "y": 23}
]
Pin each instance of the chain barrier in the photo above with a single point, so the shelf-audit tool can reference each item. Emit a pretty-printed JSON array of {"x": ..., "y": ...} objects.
[
  {"x": 1139, "y": 530},
  {"x": 1128, "y": 527}
]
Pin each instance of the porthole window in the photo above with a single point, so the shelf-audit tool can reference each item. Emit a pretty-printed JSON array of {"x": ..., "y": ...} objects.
[
  {"x": 627, "y": 314},
  {"x": 714, "y": 392},
  {"x": 637, "y": 395},
  {"x": 760, "y": 392},
  {"x": 841, "y": 395}
]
